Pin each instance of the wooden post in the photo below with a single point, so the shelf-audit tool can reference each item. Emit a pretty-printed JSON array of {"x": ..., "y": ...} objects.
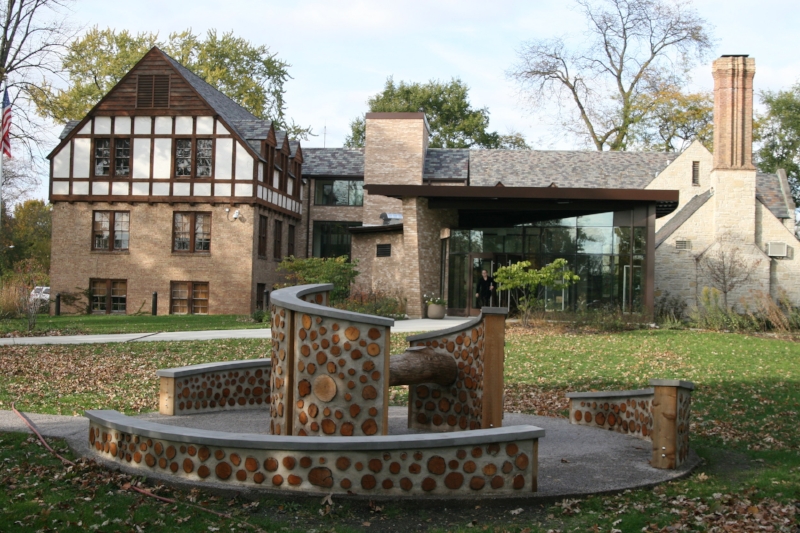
[
  {"x": 387, "y": 346},
  {"x": 666, "y": 421},
  {"x": 494, "y": 338},
  {"x": 535, "y": 466},
  {"x": 166, "y": 396}
]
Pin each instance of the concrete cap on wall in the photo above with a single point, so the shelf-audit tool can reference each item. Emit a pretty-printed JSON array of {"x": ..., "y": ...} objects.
[
  {"x": 192, "y": 370},
  {"x": 291, "y": 298},
  {"x": 461, "y": 327},
  {"x": 119, "y": 422},
  {"x": 672, "y": 383}
]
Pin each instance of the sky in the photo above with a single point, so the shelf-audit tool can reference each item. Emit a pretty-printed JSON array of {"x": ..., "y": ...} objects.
[{"x": 341, "y": 52}]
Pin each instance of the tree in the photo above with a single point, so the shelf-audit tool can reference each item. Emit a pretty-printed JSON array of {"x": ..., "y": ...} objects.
[
  {"x": 452, "y": 120},
  {"x": 525, "y": 282},
  {"x": 632, "y": 48},
  {"x": 32, "y": 38},
  {"x": 248, "y": 74},
  {"x": 778, "y": 132},
  {"x": 672, "y": 120},
  {"x": 726, "y": 266},
  {"x": 337, "y": 270}
]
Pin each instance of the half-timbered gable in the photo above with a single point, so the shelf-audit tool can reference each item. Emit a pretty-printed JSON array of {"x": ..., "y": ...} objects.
[{"x": 163, "y": 134}]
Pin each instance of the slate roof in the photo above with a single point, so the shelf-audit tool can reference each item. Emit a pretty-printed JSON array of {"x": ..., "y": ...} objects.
[
  {"x": 770, "y": 193},
  {"x": 682, "y": 216},
  {"x": 68, "y": 127},
  {"x": 590, "y": 169},
  {"x": 333, "y": 162},
  {"x": 443, "y": 163}
]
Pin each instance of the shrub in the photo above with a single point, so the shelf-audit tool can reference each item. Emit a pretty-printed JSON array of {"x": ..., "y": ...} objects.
[
  {"x": 374, "y": 303},
  {"x": 669, "y": 308},
  {"x": 258, "y": 315},
  {"x": 336, "y": 270}
]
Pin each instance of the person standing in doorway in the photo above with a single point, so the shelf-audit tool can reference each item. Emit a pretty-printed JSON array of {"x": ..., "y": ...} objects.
[{"x": 485, "y": 289}]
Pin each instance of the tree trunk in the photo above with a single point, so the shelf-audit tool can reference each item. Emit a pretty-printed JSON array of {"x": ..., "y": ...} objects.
[{"x": 422, "y": 364}]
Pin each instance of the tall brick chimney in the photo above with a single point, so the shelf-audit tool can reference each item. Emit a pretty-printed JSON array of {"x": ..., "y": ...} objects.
[
  {"x": 733, "y": 175},
  {"x": 733, "y": 112}
]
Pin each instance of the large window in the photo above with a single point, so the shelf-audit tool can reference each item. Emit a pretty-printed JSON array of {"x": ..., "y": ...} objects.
[
  {"x": 189, "y": 298},
  {"x": 110, "y": 230},
  {"x": 339, "y": 192},
  {"x": 191, "y": 232},
  {"x": 193, "y": 160},
  {"x": 262, "y": 236},
  {"x": 109, "y": 296},
  {"x": 607, "y": 250},
  {"x": 332, "y": 239},
  {"x": 105, "y": 158},
  {"x": 277, "y": 240}
]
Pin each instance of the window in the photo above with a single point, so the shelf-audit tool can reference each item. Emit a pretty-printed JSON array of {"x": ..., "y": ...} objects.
[
  {"x": 191, "y": 232},
  {"x": 102, "y": 156},
  {"x": 262, "y": 236},
  {"x": 201, "y": 168},
  {"x": 110, "y": 230},
  {"x": 332, "y": 239},
  {"x": 290, "y": 186},
  {"x": 290, "y": 245},
  {"x": 152, "y": 91},
  {"x": 189, "y": 298},
  {"x": 121, "y": 161},
  {"x": 339, "y": 192},
  {"x": 695, "y": 172},
  {"x": 276, "y": 179},
  {"x": 109, "y": 296},
  {"x": 384, "y": 250},
  {"x": 277, "y": 240},
  {"x": 260, "y": 288}
]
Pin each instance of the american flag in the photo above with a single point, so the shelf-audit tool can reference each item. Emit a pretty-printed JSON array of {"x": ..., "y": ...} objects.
[{"x": 6, "y": 140}]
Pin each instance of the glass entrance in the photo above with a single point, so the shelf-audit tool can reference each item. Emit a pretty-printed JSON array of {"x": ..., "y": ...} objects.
[{"x": 479, "y": 263}]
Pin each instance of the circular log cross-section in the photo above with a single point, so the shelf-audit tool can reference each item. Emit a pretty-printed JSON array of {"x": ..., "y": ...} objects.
[{"x": 422, "y": 364}]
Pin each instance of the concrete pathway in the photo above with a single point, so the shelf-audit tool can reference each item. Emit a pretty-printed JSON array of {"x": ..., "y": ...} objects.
[
  {"x": 400, "y": 326},
  {"x": 573, "y": 460}
]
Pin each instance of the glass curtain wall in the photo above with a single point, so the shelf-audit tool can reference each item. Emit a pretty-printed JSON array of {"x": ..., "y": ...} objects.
[{"x": 606, "y": 250}]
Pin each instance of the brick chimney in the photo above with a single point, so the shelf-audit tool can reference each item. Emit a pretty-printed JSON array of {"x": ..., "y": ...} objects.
[
  {"x": 733, "y": 112},
  {"x": 733, "y": 175}
]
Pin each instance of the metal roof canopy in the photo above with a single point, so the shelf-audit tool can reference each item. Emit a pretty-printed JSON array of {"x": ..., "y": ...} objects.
[{"x": 490, "y": 206}]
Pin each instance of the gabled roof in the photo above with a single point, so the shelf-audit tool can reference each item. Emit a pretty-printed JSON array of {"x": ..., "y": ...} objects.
[
  {"x": 769, "y": 191},
  {"x": 345, "y": 162},
  {"x": 246, "y": 125},
  {"x": 682, "y": 216},
  {"x": 542, "y": 168},
  {"x": 443, "y": 163}
]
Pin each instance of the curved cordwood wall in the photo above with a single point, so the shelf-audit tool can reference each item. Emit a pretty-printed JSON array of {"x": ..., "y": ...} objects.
[{"x": 500, "y": 461}]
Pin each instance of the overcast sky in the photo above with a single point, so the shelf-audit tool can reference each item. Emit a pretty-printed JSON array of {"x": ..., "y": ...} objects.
[{"x": 342, "y": 51}]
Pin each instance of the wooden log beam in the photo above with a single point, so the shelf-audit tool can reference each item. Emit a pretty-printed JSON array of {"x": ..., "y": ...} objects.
[{"x": 422, "y": 364}]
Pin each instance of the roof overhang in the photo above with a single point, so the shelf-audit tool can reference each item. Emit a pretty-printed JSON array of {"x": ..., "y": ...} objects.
[
  {"x": 546, "y": 198},
  {"x": 384, "y": 228}
]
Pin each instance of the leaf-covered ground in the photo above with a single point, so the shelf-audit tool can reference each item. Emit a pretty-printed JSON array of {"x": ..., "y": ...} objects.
[{"x": 745, "y": 425}]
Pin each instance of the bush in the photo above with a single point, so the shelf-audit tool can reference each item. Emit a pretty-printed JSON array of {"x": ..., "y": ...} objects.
[
  {"x": 258, "y": 315},
  {"x": 336, "y": 270},
  {"x": 711, "y": 313},
  {"x": 669, "y": 308},
  {"x": 374, "y": 303}
]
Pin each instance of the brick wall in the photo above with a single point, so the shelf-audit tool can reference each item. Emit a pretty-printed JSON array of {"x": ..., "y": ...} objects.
[
  {"x": 149, "y": 264},
  {"x": 383, "y": 274}
]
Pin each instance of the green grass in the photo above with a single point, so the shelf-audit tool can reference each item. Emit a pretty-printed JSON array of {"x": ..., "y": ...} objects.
[
  {"x": 104, "y": 324},
  {"x": 745, "y": 426}
]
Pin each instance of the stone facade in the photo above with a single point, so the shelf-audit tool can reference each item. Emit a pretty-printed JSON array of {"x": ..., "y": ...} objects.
[{"x": 380, "y": 274}]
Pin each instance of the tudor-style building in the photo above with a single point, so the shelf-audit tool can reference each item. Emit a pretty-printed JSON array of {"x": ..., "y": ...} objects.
[{"x": 168, "y": 186}]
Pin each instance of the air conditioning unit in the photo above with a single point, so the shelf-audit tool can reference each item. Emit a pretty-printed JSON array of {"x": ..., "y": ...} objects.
[{"x": 776, "y": 249}]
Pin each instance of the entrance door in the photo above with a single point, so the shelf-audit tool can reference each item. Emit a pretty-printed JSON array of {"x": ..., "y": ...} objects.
[{"x": 479, "y": 262}]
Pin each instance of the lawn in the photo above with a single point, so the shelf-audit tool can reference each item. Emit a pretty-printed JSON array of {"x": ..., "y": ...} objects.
[
  {"x": 104, "y": 324},
  {"x": 745, "y": 426}
]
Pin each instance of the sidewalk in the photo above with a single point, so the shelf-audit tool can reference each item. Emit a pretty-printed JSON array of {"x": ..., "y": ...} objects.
[{"x": 400, "y": 326}]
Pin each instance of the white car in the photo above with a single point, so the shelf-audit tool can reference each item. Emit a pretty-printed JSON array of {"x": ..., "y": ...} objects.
[{"x": 40, "y": 295}]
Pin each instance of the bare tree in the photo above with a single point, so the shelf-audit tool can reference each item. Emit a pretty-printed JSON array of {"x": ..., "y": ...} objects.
[
  {"x": 33, "y": 34},
  {"x": 632, "y": 48},
  {"x": 727, "y": 267}
]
